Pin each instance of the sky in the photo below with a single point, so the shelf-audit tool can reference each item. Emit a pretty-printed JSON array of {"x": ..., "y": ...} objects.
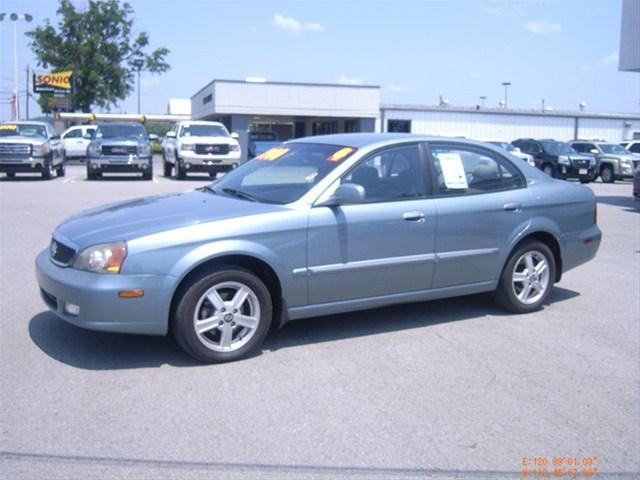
[{"x": 562, "y": 51}]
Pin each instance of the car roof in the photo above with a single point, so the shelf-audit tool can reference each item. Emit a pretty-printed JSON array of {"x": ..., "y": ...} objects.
[
  {"x": 359, "y": 140},
  {"x": 27, "y": 122},
  {"x": 120, "y": 124},
  {"x": 199, "y": 122}
]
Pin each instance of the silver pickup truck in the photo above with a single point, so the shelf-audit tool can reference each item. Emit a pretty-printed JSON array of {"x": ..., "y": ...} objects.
[{"x": 30, "y": 147}]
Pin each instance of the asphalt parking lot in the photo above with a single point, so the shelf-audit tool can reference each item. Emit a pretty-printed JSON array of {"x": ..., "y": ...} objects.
[{"x": 445, "y": 389}]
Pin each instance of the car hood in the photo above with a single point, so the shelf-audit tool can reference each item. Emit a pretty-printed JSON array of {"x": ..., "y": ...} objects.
[
  {"x": 119, "y": 141},
  {"x": 149, "y": 215},
  {"x": 219, "y": 140},
  {"x": 19, "y": 139}
]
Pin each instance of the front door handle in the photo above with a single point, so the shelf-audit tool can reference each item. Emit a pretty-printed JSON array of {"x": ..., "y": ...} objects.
[
  {"x": 513, "y": 207},
  {"x": 415, "y": 216}
]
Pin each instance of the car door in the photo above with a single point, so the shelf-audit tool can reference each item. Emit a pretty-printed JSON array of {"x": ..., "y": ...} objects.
[
  {"x": 382, "y": 246},
  {"x": 481, "y": 201},
  {"x": 74, "y": 143}
]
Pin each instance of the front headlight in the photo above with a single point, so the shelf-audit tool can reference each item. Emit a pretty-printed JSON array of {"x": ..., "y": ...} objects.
[
  {"x": 234, "y": 147},
  {"x": 187, "y": 146},
  {"x": 105, "y": 258},
  {"x": 563, "y": 159},
  {"x": 144, "y": 150},
  {"x": 95, "y": 149}
]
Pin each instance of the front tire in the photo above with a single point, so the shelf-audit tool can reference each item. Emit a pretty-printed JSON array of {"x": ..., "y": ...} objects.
[
  {"x": 527, "y": 278},
  {"x": 181, "y": 173},
  {"x": 47, "y": 173},
  {"x": 61, "y": 171},
  {"x": 167, "y": 167},
  {"x": 223, "y": 316},
  {"x": 548, "y": 169},
  {"x": 607, "y": 175}
]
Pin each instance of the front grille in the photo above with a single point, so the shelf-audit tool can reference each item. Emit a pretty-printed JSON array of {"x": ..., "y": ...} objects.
[
  {"x": 203, "y": 149},
  {"x": 15, "y": 149},
  {"x": 581, "y": 163},
  {"x": 60, "y": 253},
  {"x": 119, "y": 150}
]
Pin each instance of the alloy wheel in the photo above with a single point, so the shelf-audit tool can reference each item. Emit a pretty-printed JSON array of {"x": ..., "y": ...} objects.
[
  {"x": 530, "y": 278},
  {"x": 226, "y": 316}
]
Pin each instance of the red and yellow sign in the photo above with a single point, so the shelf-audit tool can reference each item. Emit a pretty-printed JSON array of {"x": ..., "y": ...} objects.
[{"x": 59, "y": 82}]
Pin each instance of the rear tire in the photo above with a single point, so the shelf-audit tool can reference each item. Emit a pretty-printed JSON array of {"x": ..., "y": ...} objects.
[
  {"x": 606, "y": 174},
  {"x": 527, "y": 278},
  {"x": 222, "y": 316}
]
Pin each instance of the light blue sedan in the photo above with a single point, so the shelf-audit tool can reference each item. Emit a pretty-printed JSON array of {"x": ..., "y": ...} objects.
[{"x": 319, "y": 226}]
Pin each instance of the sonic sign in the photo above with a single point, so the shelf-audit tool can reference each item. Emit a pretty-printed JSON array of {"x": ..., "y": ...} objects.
[{"x": 59, "y": 82}]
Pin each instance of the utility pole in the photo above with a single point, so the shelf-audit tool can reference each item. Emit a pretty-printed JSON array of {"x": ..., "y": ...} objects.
[
  {"x": 26, "y": 94},
  {"x": 505, "y": 85}
]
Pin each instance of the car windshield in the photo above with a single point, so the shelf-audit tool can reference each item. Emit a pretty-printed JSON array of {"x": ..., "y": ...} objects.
[
  {"x": 136, "y": 132},
  {"x": 504, "y": 145},
  {"x": 613, "y": 149},
  {"x": 557, "y": 148},
  {"x": 283, "y": 174},
  {"x": 203, "y": 131},
  {"x": 22, "y": 130}
]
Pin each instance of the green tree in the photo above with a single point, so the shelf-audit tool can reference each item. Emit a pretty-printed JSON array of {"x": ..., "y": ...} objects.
[{"x": 99, "y": 45}]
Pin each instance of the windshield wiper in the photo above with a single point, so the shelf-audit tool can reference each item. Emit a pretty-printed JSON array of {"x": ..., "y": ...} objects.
[
  {"x": 208, "y": 188},
  {"x": 239, "y": 194}
]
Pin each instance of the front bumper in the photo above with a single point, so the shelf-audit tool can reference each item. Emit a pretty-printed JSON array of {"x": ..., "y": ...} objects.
[
  {"x": 114, "y": 163},
  {"x": 209, "y": 162},
  {"x": 96, "y": 295},
  {"x": 22, "y": 165}
]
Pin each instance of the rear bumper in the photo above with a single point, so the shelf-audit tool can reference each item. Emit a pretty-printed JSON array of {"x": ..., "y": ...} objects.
[
  {"x": 96, "y": 295},
  {"x": 580, "y": 247}
]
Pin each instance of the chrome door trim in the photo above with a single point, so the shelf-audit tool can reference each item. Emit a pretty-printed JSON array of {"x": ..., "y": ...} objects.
[{"x": 389, "y": 261}]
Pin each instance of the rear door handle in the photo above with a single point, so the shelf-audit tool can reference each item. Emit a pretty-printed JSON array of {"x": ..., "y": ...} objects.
[
  {"x": 415, "y": 216},
  {"x": 513, "y": 207}
]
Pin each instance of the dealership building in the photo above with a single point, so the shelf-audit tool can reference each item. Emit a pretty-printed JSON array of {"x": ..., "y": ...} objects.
[{"x": 295, "y": 110}]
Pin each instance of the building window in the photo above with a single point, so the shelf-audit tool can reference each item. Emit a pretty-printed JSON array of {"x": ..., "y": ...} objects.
[
  {"x": 207, "y": 99},
  {"x": 324, "y": 128},
  {"x": 399, "y": 126},
  {"x": 351, "y": 126}
]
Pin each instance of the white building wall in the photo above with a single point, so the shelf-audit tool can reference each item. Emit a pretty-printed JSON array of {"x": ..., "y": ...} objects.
[
  {"x": 613, "y": 130},
  {"x": 484, "y": 126}
]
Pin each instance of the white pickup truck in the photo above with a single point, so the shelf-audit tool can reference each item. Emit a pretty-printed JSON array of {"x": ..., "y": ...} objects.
[{"x": 199, "y": 146}]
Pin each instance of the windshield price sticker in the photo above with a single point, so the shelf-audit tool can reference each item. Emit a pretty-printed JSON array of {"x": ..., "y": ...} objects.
[
  {"x": 272, "y": 154},
  {"x": 558, "y": 466},
  {"x": 8, "y": 126},
  {"x": 453, "y": 170},
  {"x": 341, "y": 154}
]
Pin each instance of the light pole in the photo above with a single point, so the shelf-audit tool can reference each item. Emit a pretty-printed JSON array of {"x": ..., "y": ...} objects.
[
  {"x": 505, "y": 85},
  {"x": 14, "y": 18},
  {"x": 482, "y": 99},
  {"x": 138, "y": 64}
]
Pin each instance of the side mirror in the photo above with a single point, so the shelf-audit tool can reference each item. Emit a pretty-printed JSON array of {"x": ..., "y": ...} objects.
[
  {"x": 517, "y": 149},
  {"x": 345, "y": 194},
  {"x": 594, "y": 151},
  {"x": 87, "y": 136},
  {"x": 235, "y": 135},
  {"x": 171, "y": 134}
]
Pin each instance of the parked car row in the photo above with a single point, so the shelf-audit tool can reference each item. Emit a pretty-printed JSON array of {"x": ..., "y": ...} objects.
[{"x": 585, "y": 160}]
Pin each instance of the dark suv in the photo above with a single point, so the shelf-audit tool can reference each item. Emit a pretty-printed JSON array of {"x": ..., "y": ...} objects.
[
  {"x": 119, "y": 148},
  {"x": 558, "y": 159}
]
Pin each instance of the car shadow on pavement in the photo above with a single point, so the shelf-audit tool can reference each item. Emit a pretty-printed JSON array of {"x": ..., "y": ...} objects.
[
  {"x": 628, "y": 202},
  {"x": 394, "y": 318},
  {"x": 27, "y": 178},
  {"x": 93, "y": 350}
]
